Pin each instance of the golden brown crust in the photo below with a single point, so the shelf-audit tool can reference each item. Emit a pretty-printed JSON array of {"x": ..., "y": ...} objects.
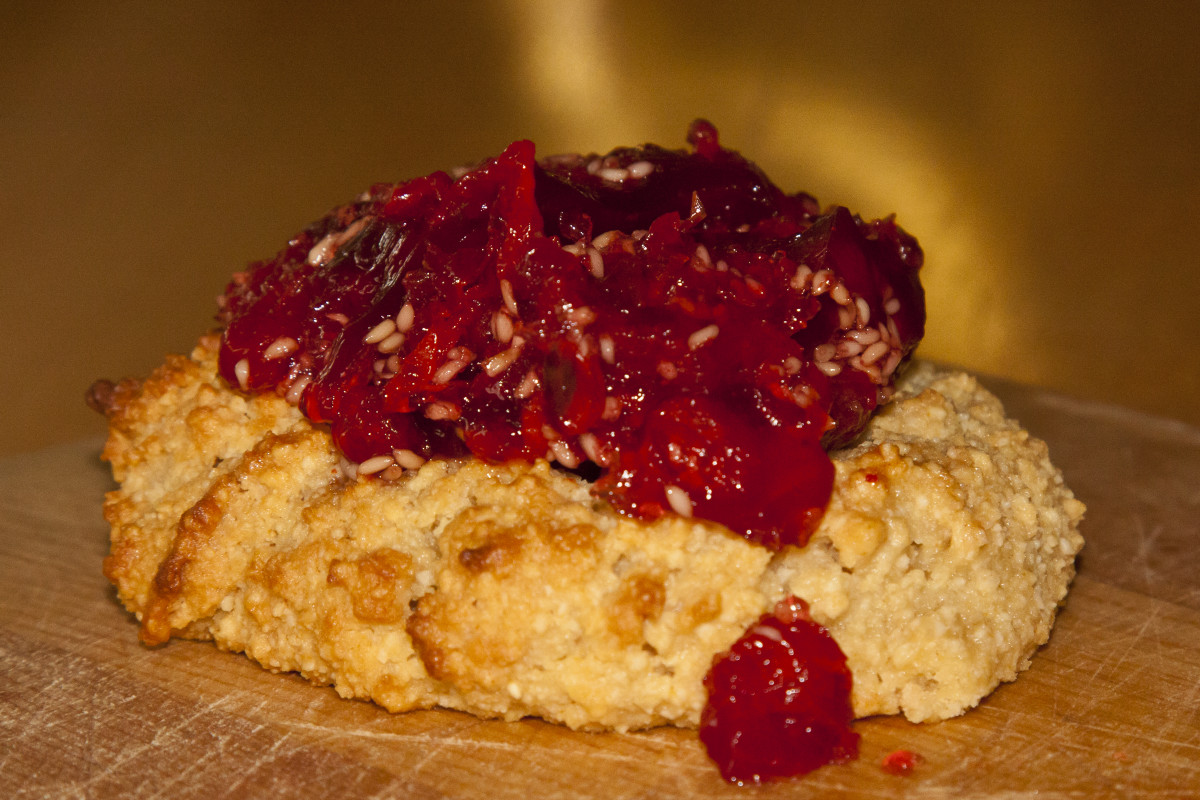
[{"x": 507, "y": 590}]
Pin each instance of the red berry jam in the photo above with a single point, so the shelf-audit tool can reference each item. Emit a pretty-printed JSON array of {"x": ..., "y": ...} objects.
[
  {"x": 665, "y": 322},
  {"x": 901, "y": 762},
  {"x": 779, "y": 700}
]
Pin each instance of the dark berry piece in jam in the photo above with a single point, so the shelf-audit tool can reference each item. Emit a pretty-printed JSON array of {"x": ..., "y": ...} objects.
[
  {"x": 779, "y": 700},
  {"x": 667, "y": 322}
]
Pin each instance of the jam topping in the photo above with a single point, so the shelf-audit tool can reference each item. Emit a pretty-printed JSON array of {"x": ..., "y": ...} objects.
[
  {"x": 668, "y": 323},
  {"x": 779, "y": 700}
]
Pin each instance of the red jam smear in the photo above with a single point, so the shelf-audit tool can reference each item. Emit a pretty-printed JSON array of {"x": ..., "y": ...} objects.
[
  {"x": 666, "y": 322},
  {"x": 779, "y": 700},
  {"x": 901, "y": 762}
]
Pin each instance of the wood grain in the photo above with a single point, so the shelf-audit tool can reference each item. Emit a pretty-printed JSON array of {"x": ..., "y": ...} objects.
[{"x": 1110, "y": 708}]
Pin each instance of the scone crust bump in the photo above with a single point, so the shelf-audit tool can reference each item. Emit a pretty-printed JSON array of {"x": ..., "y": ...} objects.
[{"x": 507, "y": 590}]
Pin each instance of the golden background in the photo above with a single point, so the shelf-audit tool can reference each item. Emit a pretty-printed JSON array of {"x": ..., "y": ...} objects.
[{"x": 1044, "y": 154}]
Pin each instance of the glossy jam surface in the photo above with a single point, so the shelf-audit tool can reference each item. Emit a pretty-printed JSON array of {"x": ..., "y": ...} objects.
[
  {"x": 779, "y": 700},
  {"x": 668, "y": 323}
]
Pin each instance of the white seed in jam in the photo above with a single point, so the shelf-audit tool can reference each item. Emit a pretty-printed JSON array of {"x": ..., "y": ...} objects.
[
  {"x": 405, "y": 318},
  {"x": 408, "y": 459},
  {"x": 242, "y": 370},
  {"x": 373, "y": 465},
  {"x": 679, "y": 501},
  {"x": 702, "y": 336},
  {"x": 596, "y": 263},
  {"x": 510, "y": 300},
  {"x": 608, "y": 349},
  {"x": 283, "y": 346},
  {"x": 380, "y": 332}
]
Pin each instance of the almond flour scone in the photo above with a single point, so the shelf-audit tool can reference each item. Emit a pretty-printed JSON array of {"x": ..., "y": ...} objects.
[
  {"x": 617, "y": 441},
  {"x": 507, "y": 590}
]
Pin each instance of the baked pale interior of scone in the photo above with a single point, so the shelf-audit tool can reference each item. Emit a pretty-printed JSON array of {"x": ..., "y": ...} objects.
[{"x": 508, "y": 590}]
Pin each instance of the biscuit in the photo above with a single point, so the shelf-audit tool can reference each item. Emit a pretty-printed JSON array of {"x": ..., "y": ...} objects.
[{"x": 508, "y": 590}]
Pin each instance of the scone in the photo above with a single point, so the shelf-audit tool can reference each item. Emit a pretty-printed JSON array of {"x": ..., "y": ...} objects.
[{"x": 530, "y": 510}]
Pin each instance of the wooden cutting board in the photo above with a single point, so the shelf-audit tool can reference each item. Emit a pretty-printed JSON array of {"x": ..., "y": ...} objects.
[{"x": 1110, "y": 708}]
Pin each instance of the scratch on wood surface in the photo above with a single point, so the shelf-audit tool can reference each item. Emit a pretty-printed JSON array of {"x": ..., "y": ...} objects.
[
  {"x": 1033, "y": 747},
  {"x": 1114, "y": 658},
  {"x": 162, "y": 737},
  {"x": 401, "y": 738},
  {"x": 1147, "y": 541},
  {"x": 432, "y": 745},
  {"x": 1192, "y": 700}
]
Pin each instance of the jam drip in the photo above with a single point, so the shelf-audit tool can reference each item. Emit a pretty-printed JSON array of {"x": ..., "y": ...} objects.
[
  {"x": 779, "y": 700},
  {"x": 668, "y": 321}
]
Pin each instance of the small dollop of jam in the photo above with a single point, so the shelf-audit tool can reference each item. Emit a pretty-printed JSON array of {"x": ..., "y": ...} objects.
[
  {"x": 901, "y": 762},
  {"x": 779, "y": 700},
  {"x": 667, "y": 323}
]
